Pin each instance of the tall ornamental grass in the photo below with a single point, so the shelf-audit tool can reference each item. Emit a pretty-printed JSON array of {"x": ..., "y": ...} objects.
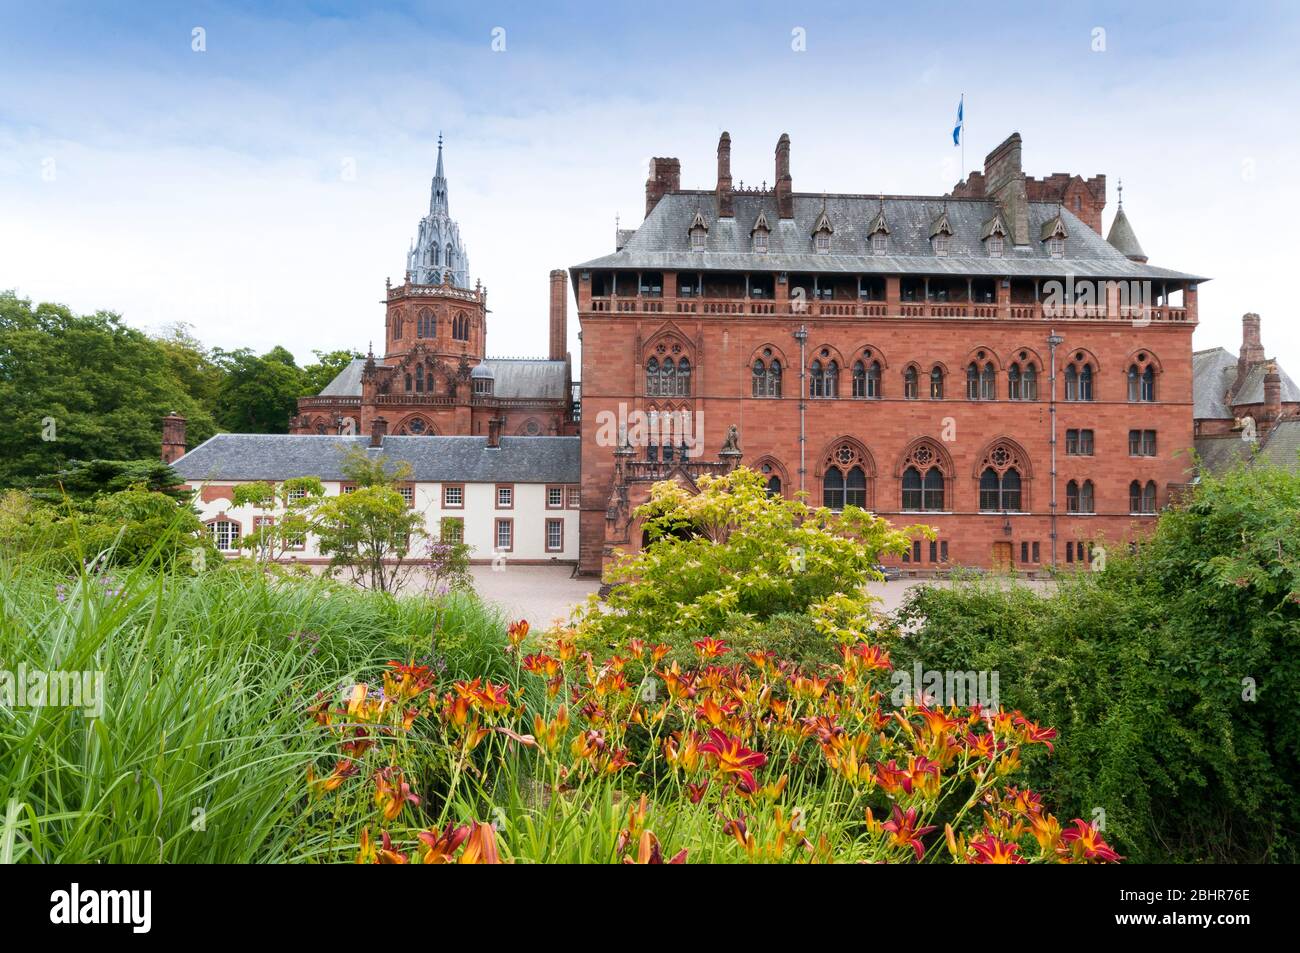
[{"x": 201, "y": 747}]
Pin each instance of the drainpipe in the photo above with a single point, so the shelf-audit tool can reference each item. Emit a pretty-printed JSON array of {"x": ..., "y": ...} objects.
[
  {"x": 1054, "y": 341},
  {"x": 802, "y": 337}
]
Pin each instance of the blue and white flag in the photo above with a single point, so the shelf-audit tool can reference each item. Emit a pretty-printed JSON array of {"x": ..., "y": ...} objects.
[{"x": 956, "y": 130}]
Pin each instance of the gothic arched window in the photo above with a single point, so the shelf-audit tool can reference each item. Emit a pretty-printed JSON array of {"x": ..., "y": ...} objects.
[
  {"x": 419, "y": 378},
  {"x": 909, "y": 384},
  {"x": 425, "y": 324},
  {"x": 845, "y": 481},
  {"x": 936, "y": 383},
  {"x": 460, "y": 326},
  {"x": 683, "y": 388},
  {"x": 767, "y": 377},
  {"x": 652, "y": 377},
  {"x": 1000, "y": 480},
  {"x": 823, "y": 380},
  {"x": 1141, "y": 380},
  {"x": 866, "y": 379},
  {"x": 1078, "y": 379},
  {"x": 923, "y": 480}
]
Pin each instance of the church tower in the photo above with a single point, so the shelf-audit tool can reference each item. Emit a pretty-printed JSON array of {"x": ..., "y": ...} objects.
[{"x": 437, "y": 248}]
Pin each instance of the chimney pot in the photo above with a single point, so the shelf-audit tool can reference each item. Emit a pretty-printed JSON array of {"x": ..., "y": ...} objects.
[{"x": 378, "y": 430}]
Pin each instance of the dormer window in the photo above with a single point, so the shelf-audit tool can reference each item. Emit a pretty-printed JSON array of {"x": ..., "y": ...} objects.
[
  {"x": 994, "y": 246},
  {"x": 699, "y": 232},
  {"x": 940, "y": 233},
  {"x": 1055, "y": 234},
  {"x": 758, "y": 234},
  {"x": 878, "y": 231},
  {"x": 822, "y": 233}
]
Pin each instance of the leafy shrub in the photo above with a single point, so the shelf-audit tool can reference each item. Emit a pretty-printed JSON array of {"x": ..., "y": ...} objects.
[{"x": 1172, "y": 674}]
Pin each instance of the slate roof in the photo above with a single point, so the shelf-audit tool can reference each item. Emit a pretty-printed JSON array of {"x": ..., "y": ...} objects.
[
  {"x": 1283, "y": 445},
  {"x": 230, "y": 456},
  {"x": 529, "y": 378},
  {"x": 1221, "y": 452},
  {"x": 1214, "y": 370},
  {"x": 662, "y": 240},
  {"x": 347, "y": 383},
  {"x": 519, "y": 378}
]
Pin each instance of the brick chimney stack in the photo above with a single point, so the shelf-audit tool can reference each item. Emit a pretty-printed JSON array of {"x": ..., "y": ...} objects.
[
  {"x": 784, "y": 184},
  {"x": 494, "y": 431},
  {"x": 559, "y": 314},
  {"x": 1272, "y": 398},
  {"x": 665, "y": 177},
  {"x": 1005, "y": 183},
  {"x": 378, "y": 430},
  {"x": 1252, "y": 349},
  {"x": 173, "y": 437},
  {"x": 725, "y": 209}
]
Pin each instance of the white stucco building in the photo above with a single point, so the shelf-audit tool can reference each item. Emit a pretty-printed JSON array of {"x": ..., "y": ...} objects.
[{"x": 514, "y": 499}]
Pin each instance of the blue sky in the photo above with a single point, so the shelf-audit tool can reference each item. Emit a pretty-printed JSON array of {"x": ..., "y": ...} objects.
[{"x": 262, "y": 189}]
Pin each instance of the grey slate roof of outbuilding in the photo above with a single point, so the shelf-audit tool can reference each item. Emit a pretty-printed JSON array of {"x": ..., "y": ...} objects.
[
  {"x": 231, "y": 456},
  {"x": 662, "y": 241}
]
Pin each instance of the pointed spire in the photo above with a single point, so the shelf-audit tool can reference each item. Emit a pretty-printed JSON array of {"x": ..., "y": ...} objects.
[
  {"x": 438, "y": 173},
  {"x": 1122, "y": 237}
]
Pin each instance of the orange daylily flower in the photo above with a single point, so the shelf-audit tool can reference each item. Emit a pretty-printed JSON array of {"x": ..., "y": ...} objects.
[
  {"x": 904, "y": 832},
  {"x": 391, "y": 795},
  {"x": 729, "y": 756},
  {"x": 438, "y": 848},
  {"x": 1084, "y": 844},
  {"x": 481, "y": 846}
]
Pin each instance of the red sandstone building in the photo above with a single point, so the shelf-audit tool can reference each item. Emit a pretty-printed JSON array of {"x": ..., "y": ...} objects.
[
  {"x": 434, "y": 378},
  {"x": 983, "y": 362}
]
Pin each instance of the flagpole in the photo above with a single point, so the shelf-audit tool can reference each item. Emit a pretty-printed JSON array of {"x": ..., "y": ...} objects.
[{"x": 961, "y": 177}]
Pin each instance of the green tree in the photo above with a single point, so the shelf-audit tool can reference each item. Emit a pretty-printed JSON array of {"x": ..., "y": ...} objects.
[
  {"x": 327, "y": 367},
  {"x": 732, "y": 555},
  {"x": 85, "y": 479},
  {"x": 370, "y": 532},
  {"x": 257, "y": 394},
  {"x": 80, "y": 387},
  {"x": 287, "y": 510}
]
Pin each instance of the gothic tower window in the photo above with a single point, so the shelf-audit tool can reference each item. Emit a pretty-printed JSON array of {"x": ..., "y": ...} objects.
[
  {"x": 425, "y": 324},
  {"x": 419, "y": 378},
  {"x": 460, "y": 326}
]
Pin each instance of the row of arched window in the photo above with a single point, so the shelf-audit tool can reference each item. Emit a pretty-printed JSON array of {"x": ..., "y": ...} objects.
[
  {"x": 426, "y": 325},
  {"x": 1080, "y": 497},
  {"x": 669, "y": 378}
]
